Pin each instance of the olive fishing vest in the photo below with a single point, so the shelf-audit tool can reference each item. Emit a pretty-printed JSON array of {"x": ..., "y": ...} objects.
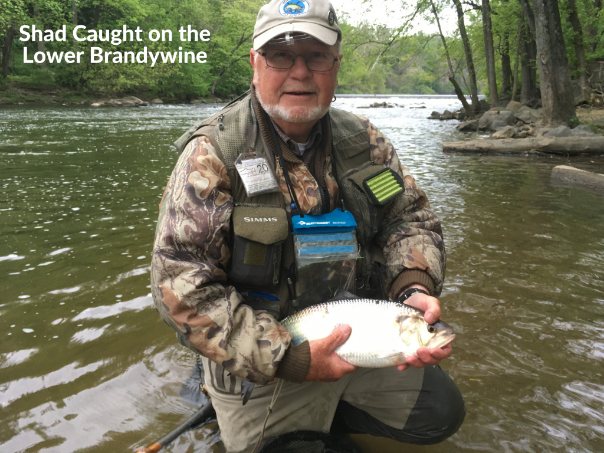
[{"x": 235, "y": 130}]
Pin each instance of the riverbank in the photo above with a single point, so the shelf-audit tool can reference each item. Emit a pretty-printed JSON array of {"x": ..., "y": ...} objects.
[{"x": 55, "y": 95}]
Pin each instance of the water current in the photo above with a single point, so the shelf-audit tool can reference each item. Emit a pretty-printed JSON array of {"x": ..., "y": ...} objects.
[{"x": 87, "y": 365}]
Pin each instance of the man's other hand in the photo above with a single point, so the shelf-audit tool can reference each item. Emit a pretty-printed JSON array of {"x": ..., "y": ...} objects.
[
  {"x": 431, "y": 308},
  {"x": 325, "y": 364}
]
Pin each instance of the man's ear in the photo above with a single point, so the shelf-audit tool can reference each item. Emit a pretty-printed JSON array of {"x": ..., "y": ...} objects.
[{"x": 253, "y": 59}]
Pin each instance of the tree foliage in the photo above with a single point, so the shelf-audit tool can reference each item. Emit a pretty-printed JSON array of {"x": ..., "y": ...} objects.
[{"x": 377, "y": 59}]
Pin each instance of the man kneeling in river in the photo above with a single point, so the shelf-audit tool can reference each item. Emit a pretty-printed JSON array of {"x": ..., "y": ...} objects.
[{"x": 223, "y": 279}]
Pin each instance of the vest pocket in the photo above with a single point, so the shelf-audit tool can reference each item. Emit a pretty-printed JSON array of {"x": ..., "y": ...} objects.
[{"x": 258, "y": 235}]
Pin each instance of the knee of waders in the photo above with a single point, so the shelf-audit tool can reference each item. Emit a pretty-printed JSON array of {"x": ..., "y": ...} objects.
[{"x": 438, "y": 412}]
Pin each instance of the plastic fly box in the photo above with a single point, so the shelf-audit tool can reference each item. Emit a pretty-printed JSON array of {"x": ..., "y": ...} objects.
[{"x": 326, "y": 251}]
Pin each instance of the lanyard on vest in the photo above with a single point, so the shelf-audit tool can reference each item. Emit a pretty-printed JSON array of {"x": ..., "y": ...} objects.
[{"x": 281, "y": 160}]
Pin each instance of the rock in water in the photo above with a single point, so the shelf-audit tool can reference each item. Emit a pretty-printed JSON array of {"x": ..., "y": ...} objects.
[
  {"x": 468, "y": 126},
  {"x": 574, "y": 177}
]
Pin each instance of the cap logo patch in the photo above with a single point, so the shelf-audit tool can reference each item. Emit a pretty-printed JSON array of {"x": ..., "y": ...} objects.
[
  {"x": 331, "y": 17},
  {"x": 294, "y": 8}
]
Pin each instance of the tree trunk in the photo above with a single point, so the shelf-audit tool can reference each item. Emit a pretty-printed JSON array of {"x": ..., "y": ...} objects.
[
  {"x": 529, "y": 56},
  {"x": 528, "y": 14},
  {"x": 41, "y": 42},
  {"x": 487, "y": 29},
  {"x": 6, "y": 50},
  {"x": 554, "y": 73},
  {"x": 469, "y": 58},
  {"x": 74, "y": 20},
  {"x": 529, "y": 74},
  {"x": 579, "y": 48},
  {"x": 518, "y": 47},
  {"x": 96, "y": 16},
  {"x": 506, "y": 68},
  {"x": 451, "y": 74}
]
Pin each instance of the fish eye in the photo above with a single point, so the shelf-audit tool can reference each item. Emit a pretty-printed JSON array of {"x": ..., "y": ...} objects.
[{"x": 431, "y": 328}]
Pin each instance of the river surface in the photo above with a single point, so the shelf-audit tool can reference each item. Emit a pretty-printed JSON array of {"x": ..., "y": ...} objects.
[{"x": 87, "y": 365}]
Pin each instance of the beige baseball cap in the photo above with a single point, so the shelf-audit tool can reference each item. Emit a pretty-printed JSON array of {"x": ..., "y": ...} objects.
[{"x": 316, "y": 18}]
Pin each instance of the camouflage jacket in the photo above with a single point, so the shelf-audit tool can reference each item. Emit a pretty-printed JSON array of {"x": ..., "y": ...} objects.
[{"x": 191, "y": 255}]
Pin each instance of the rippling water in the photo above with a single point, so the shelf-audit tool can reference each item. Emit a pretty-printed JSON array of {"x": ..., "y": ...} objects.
[{"x": 86, "y": 364}]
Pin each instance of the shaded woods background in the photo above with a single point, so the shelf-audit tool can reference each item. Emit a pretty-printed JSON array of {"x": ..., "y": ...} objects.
[{"x": 377, "y": 59}]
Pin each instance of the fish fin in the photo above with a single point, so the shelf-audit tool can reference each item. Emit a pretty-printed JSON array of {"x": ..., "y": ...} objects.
[
  {"x": 246, "y": 391},
  {"x": 191, "y": 389}
]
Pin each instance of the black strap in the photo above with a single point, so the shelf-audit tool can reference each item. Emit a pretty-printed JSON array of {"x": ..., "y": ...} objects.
[{"x": 288, "y": 182}]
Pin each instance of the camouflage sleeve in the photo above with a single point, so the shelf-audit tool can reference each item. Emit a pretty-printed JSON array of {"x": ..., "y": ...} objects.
[
  {"x": 411, "y": 234},
  {"x": 190, "y": 256}
]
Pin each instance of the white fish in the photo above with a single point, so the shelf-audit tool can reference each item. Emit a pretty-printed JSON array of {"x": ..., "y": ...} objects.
[{"x": 383, "y": 334}]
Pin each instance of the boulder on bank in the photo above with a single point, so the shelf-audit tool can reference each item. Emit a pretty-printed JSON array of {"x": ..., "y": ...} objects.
[
  {"x": 506, "y": 132},
  {"x": 582, "y": 131},
  {"x": 128, "y": 101},
  {"x": 514, "y": 107},
  {"x": 198, "y": 101},
  {"x": 527, "y": 115},
  {"x": 574, "y": 177},
  {"x": 156, "y": 101},
  {"x": 563, "y": 131},
  {"x": 494, "y": 120},
  {"x": 468, "y": 126}
]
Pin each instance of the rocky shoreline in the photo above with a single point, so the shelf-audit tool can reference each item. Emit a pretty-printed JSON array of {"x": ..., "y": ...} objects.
[{"x": 512, "y": 121}]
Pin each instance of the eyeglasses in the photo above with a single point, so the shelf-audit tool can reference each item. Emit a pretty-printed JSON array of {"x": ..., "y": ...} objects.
[{"x": 285, "y": 59}]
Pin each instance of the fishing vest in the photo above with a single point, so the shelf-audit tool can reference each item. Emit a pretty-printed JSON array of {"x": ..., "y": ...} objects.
[{"x": 235, "y": 130}]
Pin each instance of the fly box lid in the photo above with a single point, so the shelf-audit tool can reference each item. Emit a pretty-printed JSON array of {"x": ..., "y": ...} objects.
[{"x": 337, "y": 221}]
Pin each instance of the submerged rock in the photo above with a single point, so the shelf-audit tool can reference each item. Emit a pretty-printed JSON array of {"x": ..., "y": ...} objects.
[{"x": 570, "y": 176}]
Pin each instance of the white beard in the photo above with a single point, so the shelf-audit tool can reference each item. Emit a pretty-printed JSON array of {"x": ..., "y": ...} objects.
[{"x": 300, "y": 116}]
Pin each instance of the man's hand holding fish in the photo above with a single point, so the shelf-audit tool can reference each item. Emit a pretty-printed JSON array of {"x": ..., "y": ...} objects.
[{"x": 431, "y": 308}]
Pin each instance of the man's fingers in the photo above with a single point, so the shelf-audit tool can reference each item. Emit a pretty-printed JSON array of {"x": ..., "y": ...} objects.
[
  {"x": 428, "y": 304},
  {"x": 338, "y": 337},
  {"x": 403, "y": 367}
]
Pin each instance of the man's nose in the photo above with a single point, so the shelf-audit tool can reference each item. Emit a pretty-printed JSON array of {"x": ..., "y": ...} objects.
[{"x": 299, "y": 70}]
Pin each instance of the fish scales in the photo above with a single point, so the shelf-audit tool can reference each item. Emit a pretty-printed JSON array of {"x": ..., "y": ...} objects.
[{"x": 383, "y": 334}]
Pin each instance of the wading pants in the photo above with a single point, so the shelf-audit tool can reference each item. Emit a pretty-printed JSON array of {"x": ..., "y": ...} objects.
[{"x": 420, "y": 406}]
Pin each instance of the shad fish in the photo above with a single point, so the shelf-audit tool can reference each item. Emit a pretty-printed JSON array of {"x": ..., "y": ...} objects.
[{"x": 383, "y": 334}]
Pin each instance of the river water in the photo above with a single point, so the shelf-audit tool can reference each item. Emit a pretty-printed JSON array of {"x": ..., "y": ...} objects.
[{"x": 87, "y": 365}]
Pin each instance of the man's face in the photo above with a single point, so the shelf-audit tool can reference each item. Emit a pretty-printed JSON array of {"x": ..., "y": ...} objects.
[{"x": 296, "y": 95}]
